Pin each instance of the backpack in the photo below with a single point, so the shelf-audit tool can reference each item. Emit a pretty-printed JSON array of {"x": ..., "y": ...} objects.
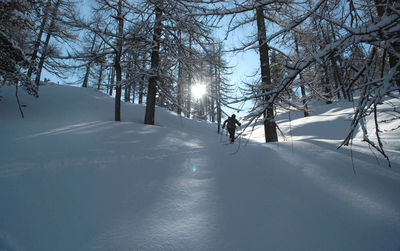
[{"x": 231, "y": 123}]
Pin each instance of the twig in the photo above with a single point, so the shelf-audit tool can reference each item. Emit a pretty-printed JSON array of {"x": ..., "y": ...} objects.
[{"x": 19, "y": 104}]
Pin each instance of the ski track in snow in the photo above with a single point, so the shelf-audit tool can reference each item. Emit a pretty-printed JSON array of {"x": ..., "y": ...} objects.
[{"x": 96, "y": 184}]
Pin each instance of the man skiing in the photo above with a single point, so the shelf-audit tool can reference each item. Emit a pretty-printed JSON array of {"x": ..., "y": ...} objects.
[{"x": 231, "y": 126}]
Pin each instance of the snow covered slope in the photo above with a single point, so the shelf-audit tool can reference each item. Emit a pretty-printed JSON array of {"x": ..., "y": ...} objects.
[{"x": 73, "y": 179}]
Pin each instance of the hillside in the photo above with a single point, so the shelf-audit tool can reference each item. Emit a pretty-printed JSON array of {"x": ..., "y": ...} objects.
[{"x": 71, "y": 178}]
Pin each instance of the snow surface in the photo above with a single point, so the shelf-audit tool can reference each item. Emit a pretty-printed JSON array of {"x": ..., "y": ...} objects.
[{"x": 73, "y": 179}]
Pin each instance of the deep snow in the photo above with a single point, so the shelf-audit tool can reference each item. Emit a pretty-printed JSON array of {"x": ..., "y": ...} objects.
[{"x": 73, "y": 179}]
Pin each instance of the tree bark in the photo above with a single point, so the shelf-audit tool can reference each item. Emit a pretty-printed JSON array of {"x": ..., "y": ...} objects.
[
  {"x": 88, "y": 66},
  {"x": 127, "y": 96},
  {"x": 128, "y": 80},
  {"x": 155, "y": 61},
  {"x": 302, "y": 87},
  {"x": 117, "y": 66},
  {"x": 269, "y": 120},
  {"x": 118, "y": 72},
  {"x": 141, "y": 83},
  {"x": 46, "y": 43},
  {"x": 218, "y": 91},
  {"x": 112, "y": 82},
  {"x": 180, "y": 79},
  {"x": 100, "y": 76},
  {"x": 212, "y": 96},
  {"x": 39, "y": 39},
  {"x": 189, "y": 85}
]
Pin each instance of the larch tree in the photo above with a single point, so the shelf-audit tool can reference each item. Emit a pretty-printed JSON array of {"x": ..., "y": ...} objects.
[
  {"x": 243, "y": 13},
  {"x": 112, "y": 32},
  {"x": 15, "y": 20},
  {"x": 155, "y": 62},
  {"x": 355, "y": 50},
  {"x": 55, "y": 25},
  {"x": 269, "y": 118},
  {"x": 183, "y": 36},
  {"x": 42, "y": 16}
]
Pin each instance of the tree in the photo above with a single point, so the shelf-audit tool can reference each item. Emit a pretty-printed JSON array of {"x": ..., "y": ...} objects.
[
  {"x": 180, "y": 36},
  {"x": 55, "y": 23},
  {"x": 386, "y": 9},
  {"x": 269, "y": 121},
  {"x": 89, "y": 63},
  {"x": 358, "y": 40},
  {"x": 238, "y": 10},
  {"x": 155, "y": 61},
  {"x": 14, "y": 28},
  {"x": 360, "y": 32},
  {"x": 112, "y": 33},
  {"x": 38, "y": 40}
]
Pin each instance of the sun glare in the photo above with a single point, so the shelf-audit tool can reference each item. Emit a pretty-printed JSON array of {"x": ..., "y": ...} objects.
[{"x": 198, "y": 90}]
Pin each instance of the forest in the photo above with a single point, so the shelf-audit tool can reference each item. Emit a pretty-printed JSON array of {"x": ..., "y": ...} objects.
[
  {"x": 154, "y": 52},
  {"x": 109, "y": 111}
]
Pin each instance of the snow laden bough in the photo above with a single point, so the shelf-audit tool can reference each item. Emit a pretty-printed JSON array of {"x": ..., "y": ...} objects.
[
  {"x": 380, "y": 33},
  {"x": 13, "y": 60}
]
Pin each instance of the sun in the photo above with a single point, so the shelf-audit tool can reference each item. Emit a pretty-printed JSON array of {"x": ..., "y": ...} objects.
[{"x": 198, "y": 90}]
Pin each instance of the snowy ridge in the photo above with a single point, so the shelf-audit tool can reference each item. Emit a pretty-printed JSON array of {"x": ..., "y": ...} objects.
[{"x": 73, "y": 179}]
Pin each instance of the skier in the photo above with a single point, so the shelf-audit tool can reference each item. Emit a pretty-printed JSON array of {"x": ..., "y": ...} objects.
[{"x": 231, "y": 126}]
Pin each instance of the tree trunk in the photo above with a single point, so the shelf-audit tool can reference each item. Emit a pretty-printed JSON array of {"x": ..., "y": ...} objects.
[
  {"x": 218, "y": 96},
  {"x": 112, "y": 81},
  {"x": 328, "y": 90},
  {"x": 303, "y": 99},
  {"x": 302, "y": 87},
  {"x": 189, "y": 85},
  {"x": 155, "y": 61},
  {"x": 141, "y": 83},
  {"x": 133, "y": 93},
  {"x": 127, "y": 96},
  {"x": 100, "y": 76},
  {"x": 118, "y": 88},
  {"x": 128, "y": 80},
  {"x": 39, "y": 39},
  {"x": 86, "y": 78},
  {"x": 88, "y": 66},
  {"x": 180, "y": 80},
  {"x": 132, "y": 81},
  {"x": 213, "y": 79},
  {"x": 118, "y": 69},
  {"x": 269, "y": 120},
  {"x": 46, "y": 43}
]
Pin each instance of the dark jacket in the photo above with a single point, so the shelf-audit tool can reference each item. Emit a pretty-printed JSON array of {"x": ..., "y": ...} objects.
[{"x": 231, "y": 123}]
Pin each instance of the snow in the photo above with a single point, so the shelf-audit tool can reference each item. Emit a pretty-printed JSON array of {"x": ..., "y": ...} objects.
[{"x": 73, "y": 179}]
